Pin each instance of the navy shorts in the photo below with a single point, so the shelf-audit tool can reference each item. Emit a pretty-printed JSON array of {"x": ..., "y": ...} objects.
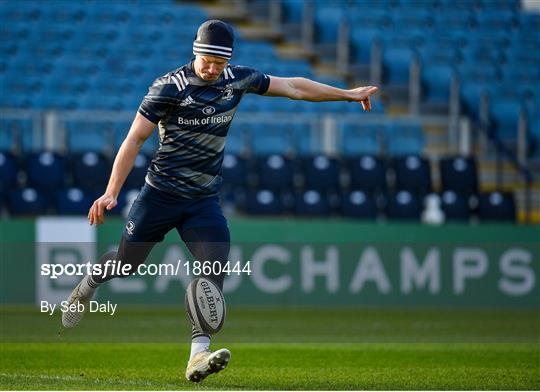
[{"x": 154, "y": 213}]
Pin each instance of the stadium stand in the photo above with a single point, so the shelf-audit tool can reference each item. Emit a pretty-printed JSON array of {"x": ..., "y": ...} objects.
[
  {"x": 274, "y": 172},
  {"x": 312, "y": 202},
  {"x": 404, "y": 205},
  {"x": 359, "y": 205},
  {"x": 413, "y": 174},
  {"x": 444, "y": 56},
  {"x": 90, "y": 171},
  {"x": 496, "y": 206},
  {"x": 455, "y": 206},
  {"x": 264, "y": 202},
  {"x": 460, "y": 175},
  {"x": 27, "y": 201}
]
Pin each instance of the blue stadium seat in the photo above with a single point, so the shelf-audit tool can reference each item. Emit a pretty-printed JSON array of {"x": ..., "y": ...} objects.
[
  {"x": 55, "y": 100},
  {"x": 9, "y": 168},
  {"x": 95, "y": 101},
  {"x": 91, "y": 171},
  {"x": 362, "y": 40},
  {"x": 70, "y": 87},
  {"x": 472, "y": 73},
  {"x": 87, "y": 136},
  {"x": 404, "y": 205},
  {"x": 312, "y": 202},
  {"x": 111, "y": 15},
  {"x": 505, "y": 118},
  {"x": 267, "y": 139},
  {"x": 528, "y": 75},
  {"x": 13, "y": 33},
  {"x": 264, "y": 202},
  {"x": 496, "y": 20},
  {"x": 459, "y": 174},
  {"x": 454, "y": 20},
  {"x": 27, "y": 201},
  {"x": 320, "y": 172},
  {"x": 44, "y": 49},
  {"x": 293, "y": 11},
  {"x": 14, "y": 12},
  {"x": 413, "y": 173},
  {"x": 404, "y": 139},
  {"x": 480, "y": 55},
  {"x": 46, "y": 171},
  {"x": 530, "y": 23},
  {"x": 274, "y": 171},
  {"x": 79, "y": 70},
  {"x": 367, "y": 173},
  {"x": 436, "y": 81},
  {"x": 455, "y": 206},
  {"x": 496, "y": 206},
  {"x": 440, "y": 53},
  {"x": 73, "y": 201},
  {"x": 235, "y": 170},
  {"x": 67, "y": 13},
  {"x": 31, "y": 68},
  {"x": 360, "y": 139},
  {"x": 499, "y": 5},
  {"x": 359, "y": 205},
  {"x": 471, "y": 94},
  {"x": 263, "y": 51},
  {"x": 413, "y": 22},
  {"x": 327, "y": 22},
  {"x": 396, "y": 63}
]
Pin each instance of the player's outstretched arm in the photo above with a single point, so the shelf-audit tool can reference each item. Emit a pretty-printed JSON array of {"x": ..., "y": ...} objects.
[
  {"x": 309, "y": 90},
  {"x": 140, "y": 130}
]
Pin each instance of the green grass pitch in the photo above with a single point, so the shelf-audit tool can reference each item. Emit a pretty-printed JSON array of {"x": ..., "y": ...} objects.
[{"x": 332, "y": 349}]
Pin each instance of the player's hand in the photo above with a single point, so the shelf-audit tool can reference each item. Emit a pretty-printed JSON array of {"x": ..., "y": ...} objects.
[
  {"x": 362, "y": 95},
  {"x": 96, "y": 214}
]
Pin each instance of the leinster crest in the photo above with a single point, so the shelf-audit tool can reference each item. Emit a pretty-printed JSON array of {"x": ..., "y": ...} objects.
[{"x": 228, "y": 93}]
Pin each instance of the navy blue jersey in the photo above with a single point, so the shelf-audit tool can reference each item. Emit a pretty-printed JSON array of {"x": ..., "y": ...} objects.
[{"x": 194, "y": 117}]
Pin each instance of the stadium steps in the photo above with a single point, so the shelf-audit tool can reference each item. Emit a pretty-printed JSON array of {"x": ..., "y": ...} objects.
[
  {"x": 231, "y": 11},
  {"x": 293, "y": 51},
  {"x": 249, "y": 28},
  {"x": 329, "y": 70},
  {"x": 258, "y": 31},
  {"x": 519, "y": 194}
]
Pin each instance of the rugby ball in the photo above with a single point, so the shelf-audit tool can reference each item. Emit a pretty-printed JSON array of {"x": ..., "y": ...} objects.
[{"x": 205, "y": 305}]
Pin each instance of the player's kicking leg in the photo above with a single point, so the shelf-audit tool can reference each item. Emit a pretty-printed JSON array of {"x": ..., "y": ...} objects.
[
  {"x": 207, "y": 243},
  {"x": 82, "y": 294},
  {"x": 207, "y": 362}
]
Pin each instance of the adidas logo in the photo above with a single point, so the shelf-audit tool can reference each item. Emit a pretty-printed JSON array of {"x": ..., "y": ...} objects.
[{"x": 187, "y": 101}]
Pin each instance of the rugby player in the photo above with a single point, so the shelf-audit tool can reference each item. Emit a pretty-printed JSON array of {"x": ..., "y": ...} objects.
[{"x": 193, "y": 107}]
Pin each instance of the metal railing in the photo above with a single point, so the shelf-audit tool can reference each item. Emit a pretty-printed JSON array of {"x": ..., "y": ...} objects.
[{"x": 50, "y": 127}]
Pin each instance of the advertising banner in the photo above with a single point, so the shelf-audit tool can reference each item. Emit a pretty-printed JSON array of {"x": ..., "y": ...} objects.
[{"x": 280, "y": 262}]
